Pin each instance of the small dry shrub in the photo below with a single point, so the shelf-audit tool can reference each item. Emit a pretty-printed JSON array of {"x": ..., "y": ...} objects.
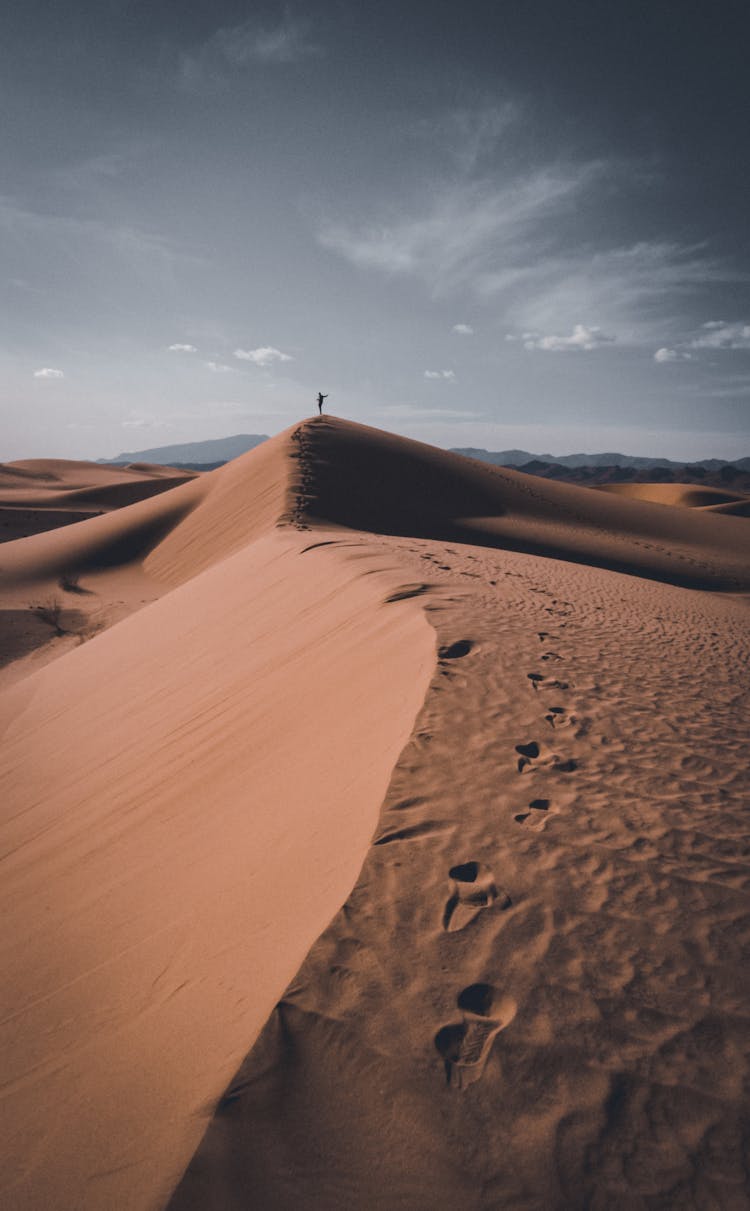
[{"x": 50, "y": 611}]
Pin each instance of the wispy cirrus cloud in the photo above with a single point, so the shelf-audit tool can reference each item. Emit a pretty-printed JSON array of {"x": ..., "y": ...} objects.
[
  {"x": 469, "y": 134},
  {"x": 449, "y": 244},
  {"x": 463, "y": 329},
  {"x": 266, "y": 355},
  {"x": 181, "y": 348},
  {"x": 218, "y": 367},
  {"x": 48, "y": 372},
  {"x": 251, "y": 43},
  {"x": 448, "y": 375},
  {"x": 73, "y": 244},
  {"x": 517, "y": 244}
]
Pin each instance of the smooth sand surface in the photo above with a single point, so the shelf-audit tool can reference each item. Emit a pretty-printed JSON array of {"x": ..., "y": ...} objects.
[
  {"x": 521, "y": 985},
  {"x": 41, "y": 494},
  {"x": 686, "y": 496}
]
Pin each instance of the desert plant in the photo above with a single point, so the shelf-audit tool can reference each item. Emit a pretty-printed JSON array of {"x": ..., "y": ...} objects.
[{"x": 50, "y": 611}]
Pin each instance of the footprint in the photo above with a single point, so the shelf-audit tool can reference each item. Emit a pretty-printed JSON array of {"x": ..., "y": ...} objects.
[
  {"x": 454, "y": 651},
  {"x": 556, "y": 716},
  {"x": 465, "y": 1046},
  {"x": 407, "y": 590},
  {"x": 532, "y": 756},
  {"x": 528, "y": 753},
  {"x": 537, "y": 816},
  {"x": 472, "y": 889},
  {"x": 540, "y": 682},
  {"x": 551, "y": 656}
]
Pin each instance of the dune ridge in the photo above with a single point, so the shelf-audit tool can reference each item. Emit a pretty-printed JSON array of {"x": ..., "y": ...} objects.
[
  {"x": 41, "y": 494},
  {"x": 370, "y": 480},
  {"x": 687, "y": 496},
  {"x": 188, "y": 799},
  {"x": 530, "y": 995}
]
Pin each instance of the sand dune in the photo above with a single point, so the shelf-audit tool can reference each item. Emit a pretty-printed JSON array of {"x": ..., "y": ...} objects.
[
  {"x": 188, "y": 800},
  {"x": 370, "y": 480},
  {"x": 689, "y": 496},
  {"x": 523, "y": 858},
  {"x": 42, "y": 494}
]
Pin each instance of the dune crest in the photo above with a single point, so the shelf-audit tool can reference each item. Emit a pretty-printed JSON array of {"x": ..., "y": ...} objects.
[
  {"x": 687, "y": 496},
  {"x": 42, "y": 494}
]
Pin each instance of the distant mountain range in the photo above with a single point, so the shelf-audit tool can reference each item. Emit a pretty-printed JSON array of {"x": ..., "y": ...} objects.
[
  {"x": 520, "y": 458},
  {"x": 218, "y": 450},
  {"x": 588, "y": 469}
]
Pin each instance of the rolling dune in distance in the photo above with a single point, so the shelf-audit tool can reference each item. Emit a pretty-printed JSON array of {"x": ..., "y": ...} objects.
[
  {"x": 689, "y": 496},
  {"x": 382, "y": 843},
  {"x": 41, "y": 494}
]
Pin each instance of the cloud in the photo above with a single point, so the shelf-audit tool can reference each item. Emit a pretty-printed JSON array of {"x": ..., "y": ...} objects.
[
  {"x": 217, "y": 367},
  {"x": 717, "y": 334},
  {"x": 581, "y": 338},
  {"x": 148, "y": 253},
  {"x": 464, "y": 229},
  {"x": 266, "y": 355},
  {"x": 447, "y": 374},
  {"x": 250, "y": 43},
  {"x": 521, "y": 244},
  {"x": 665, "y": 355},
  {"x": 182, "y": 349},
  {"x": 469, "y": 135},
  {"x": 48, "y": 372},
  {"x": 463, "y": 329},
  {"x": 233, "y": 48}
]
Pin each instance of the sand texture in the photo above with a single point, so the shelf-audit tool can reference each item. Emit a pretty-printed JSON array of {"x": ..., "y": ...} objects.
[
  {"x": 40, "y": 494},
  {"x": 688, "y": 496},
  {"x": 386, "y": 847}
]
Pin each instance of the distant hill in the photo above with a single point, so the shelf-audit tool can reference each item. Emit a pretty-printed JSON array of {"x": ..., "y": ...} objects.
[
  {"x": 588, "y": 469},
  {"x": 521, "y": 458},
  {"x": 216, "y": 451},
  {"x": 728, "y": 476}
]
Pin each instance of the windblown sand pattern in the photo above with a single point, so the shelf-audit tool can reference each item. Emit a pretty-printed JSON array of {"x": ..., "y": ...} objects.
[{"x": 446, "y": 764}]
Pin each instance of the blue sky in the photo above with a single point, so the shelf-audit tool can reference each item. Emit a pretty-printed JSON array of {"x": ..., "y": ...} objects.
[{"x": 479, "y": 225}]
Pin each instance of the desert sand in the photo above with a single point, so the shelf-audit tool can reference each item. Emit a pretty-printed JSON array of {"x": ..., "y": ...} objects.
[
  {"x": 43, "y": 493},
  {"x": 376, "y": 838},
  {"x": 688, "y": 496}
]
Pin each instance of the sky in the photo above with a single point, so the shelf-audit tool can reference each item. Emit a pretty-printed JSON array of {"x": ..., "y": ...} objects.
[{"x": 517, "y": 224}]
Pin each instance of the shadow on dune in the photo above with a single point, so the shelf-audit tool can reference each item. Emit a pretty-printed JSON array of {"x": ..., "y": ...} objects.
[{"x": 365, "y": 479}]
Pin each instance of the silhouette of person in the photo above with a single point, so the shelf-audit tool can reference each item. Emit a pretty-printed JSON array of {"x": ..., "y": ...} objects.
[{"x": 320, "y": 403}]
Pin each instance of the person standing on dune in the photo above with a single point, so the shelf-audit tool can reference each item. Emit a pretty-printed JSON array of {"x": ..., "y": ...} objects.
[{"x": 320, "y": 403}]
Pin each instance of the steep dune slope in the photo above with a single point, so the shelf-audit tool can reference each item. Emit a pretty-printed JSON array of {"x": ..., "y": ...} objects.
[
  {"x": 232, "y": 505},
  {"x": 100, "y": 570},
  {"x": 187, "y": 800}
]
